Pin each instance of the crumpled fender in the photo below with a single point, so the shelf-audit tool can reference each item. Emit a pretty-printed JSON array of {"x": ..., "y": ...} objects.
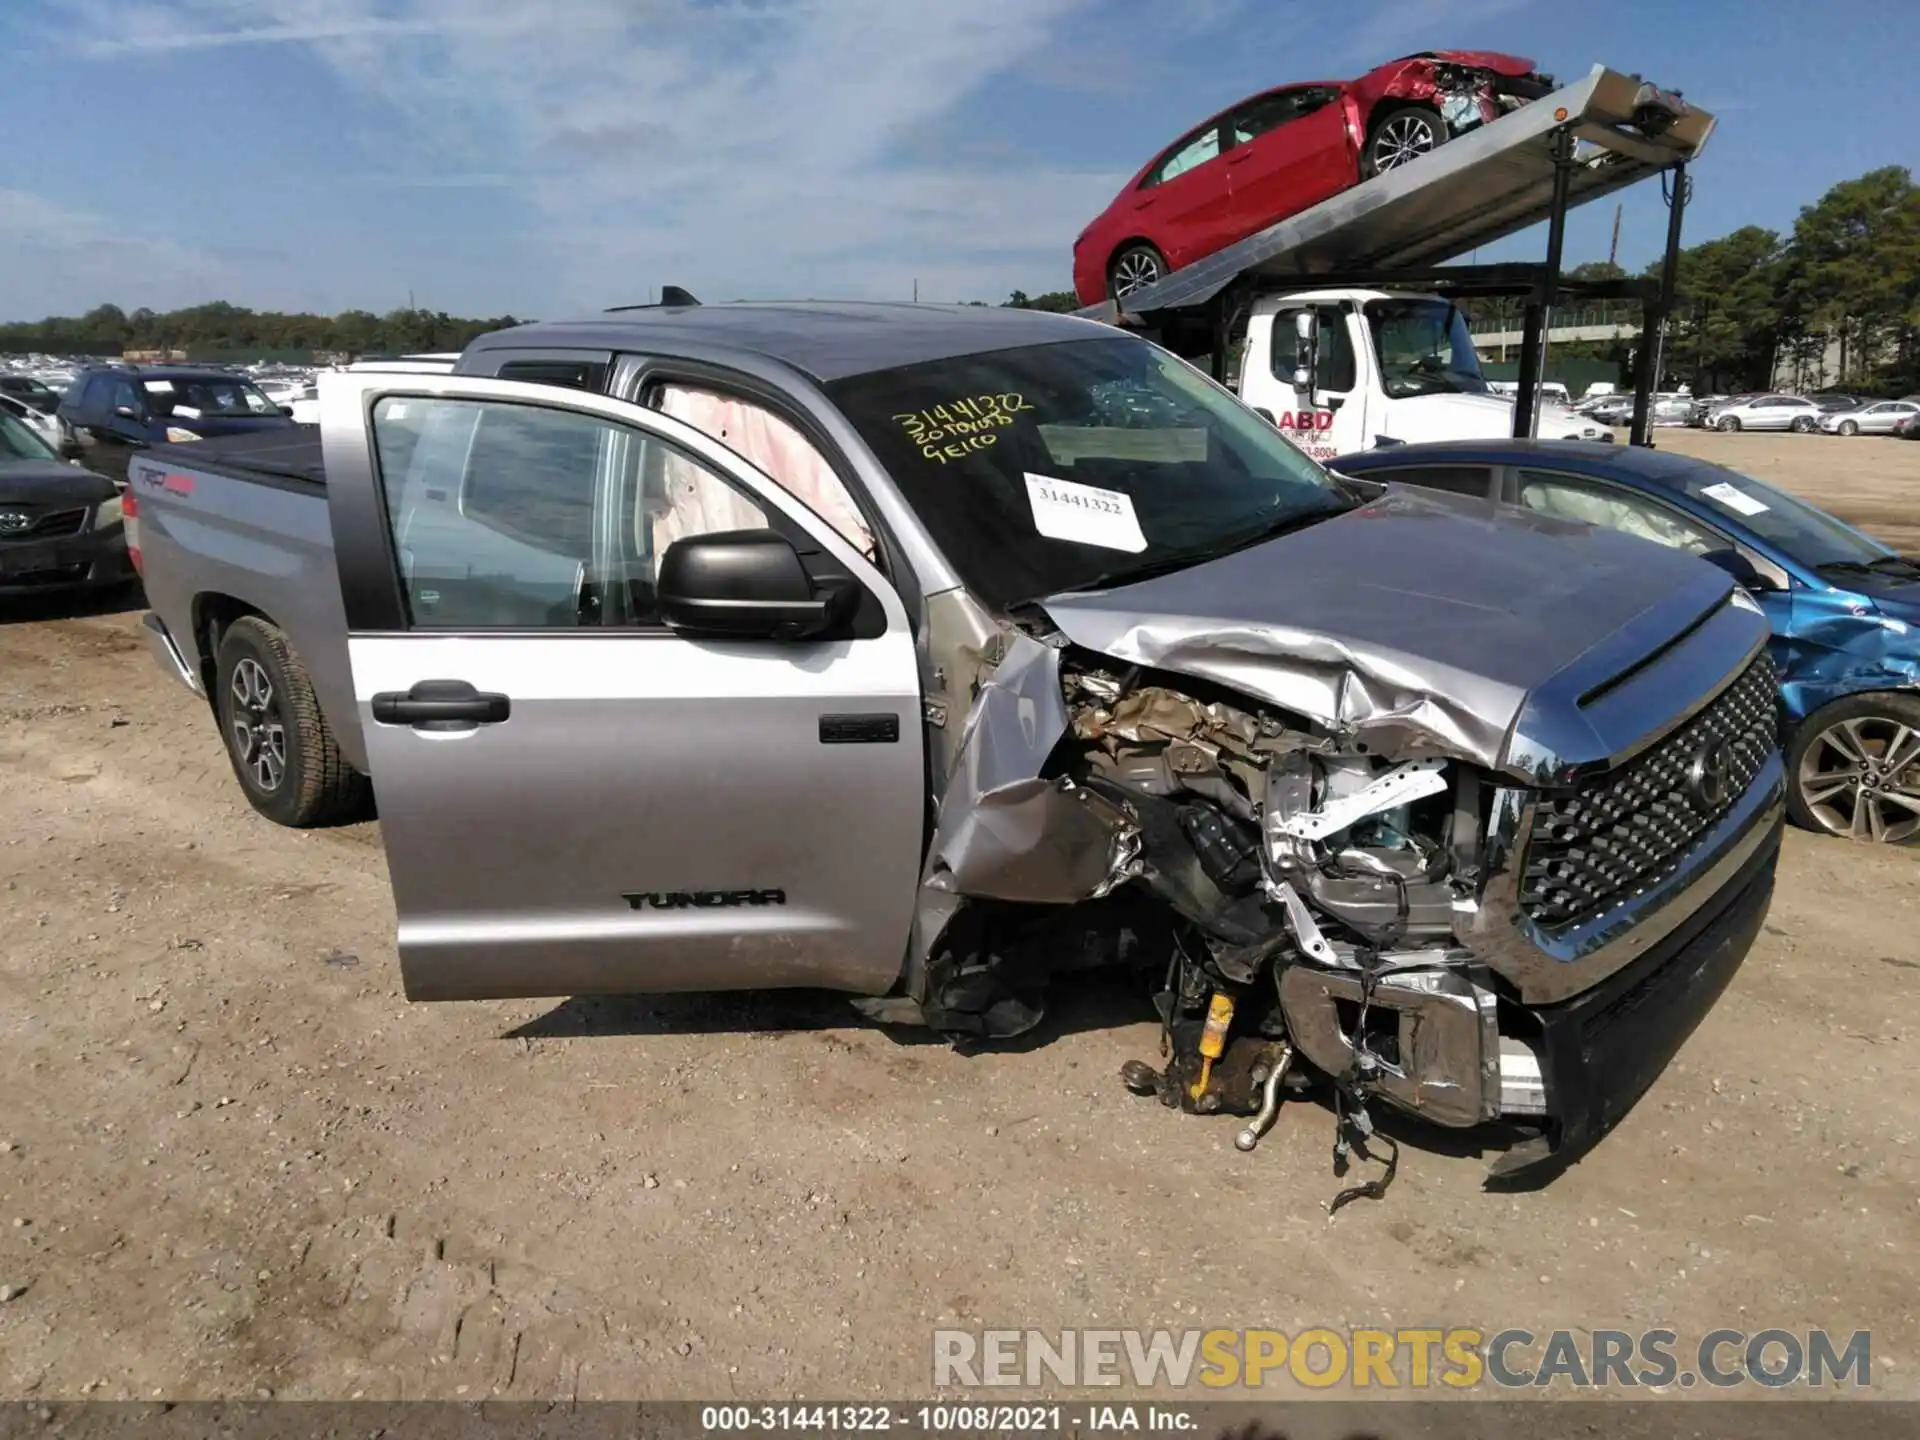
[{"x": 1838, "y": 645}]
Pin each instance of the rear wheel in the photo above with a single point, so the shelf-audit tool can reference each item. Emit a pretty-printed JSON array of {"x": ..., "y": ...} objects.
[
  {"x": 283, "y": 754},
  {"x": 1135, "y": 267},
  {"x": 1802, "y": 425},
  {"x": 1853, "y": 769},
  {"x": 1848, "y": 427},
  {"x": 1728, "y": 422},
  {"x": 1399, "y": 136}
]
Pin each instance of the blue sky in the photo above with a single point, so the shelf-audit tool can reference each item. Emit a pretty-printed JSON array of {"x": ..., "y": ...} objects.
[{"x": 547, "y": 156}]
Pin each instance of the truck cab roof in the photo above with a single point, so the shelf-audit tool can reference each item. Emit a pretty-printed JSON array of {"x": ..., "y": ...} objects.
[{"x": 827, "y": 340}]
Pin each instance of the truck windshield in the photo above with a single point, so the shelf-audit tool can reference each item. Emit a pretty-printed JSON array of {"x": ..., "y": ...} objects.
[
  {"x": 1424, "y": 348},
  {"x": 1049, "y": 467},
  {"x": 17, "y": 442}
]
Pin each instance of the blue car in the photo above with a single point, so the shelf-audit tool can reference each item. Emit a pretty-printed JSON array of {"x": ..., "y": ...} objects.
[
  {"x": 1845, "y": 609},
  {"x": 114, "y": 410}
]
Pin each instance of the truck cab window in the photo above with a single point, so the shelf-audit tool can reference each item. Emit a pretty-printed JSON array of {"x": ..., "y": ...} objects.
[
  {"x": 491, "y": 508},
  {"x": 576, "y": 374},
  {"x": 509, "y": 515},
  {"x": 770, "y": 444},
  {"x": 1334, "y": 368}
]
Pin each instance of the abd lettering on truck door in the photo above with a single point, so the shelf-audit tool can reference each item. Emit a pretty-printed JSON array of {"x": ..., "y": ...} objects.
[{"x": 1311, "y": 430}]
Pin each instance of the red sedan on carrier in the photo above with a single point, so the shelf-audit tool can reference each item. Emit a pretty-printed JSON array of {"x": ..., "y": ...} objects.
[{"x": 1283, "y": 151}]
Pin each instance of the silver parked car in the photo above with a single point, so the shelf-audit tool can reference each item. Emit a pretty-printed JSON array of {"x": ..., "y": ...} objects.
[
  {"x": 1767, "y": 412},
  {"x": 1875, "y": 417}
]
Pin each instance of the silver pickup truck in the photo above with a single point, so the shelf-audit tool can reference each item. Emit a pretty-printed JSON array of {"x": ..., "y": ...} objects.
[{"x": 924, "y": 653}]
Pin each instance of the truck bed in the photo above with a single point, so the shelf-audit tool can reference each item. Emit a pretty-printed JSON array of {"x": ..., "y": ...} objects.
[
  {"x": 268, "y": 456},
  {"x": 1487, "y": 184}
]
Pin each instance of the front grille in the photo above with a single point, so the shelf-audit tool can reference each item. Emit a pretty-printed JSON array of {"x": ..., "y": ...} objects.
[
  {"x": 48, "y": 525},
  {"x": 1619, "y": 834}
]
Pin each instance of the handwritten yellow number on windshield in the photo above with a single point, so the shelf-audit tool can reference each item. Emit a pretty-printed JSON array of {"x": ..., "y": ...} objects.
[{"x": 955, "y": 429}]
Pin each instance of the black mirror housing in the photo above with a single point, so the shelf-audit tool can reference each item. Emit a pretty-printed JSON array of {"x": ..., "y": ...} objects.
[
  {"x": 745, "y": 585},
  {"x": 1744, "y": 572}
]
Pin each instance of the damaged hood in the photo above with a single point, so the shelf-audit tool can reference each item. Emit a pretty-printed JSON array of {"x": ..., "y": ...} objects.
[{"x": 1433, "y": 624}]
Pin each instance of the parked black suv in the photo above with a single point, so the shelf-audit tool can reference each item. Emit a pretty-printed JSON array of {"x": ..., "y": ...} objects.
[{"x": 117, "y": 409}]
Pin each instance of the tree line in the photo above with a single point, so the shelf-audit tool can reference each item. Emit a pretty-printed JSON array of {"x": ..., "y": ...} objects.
[{"x": 1834, "y": 302}]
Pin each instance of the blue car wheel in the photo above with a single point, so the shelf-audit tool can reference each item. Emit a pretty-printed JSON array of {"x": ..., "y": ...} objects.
[{"x": 1853, "y": 769}]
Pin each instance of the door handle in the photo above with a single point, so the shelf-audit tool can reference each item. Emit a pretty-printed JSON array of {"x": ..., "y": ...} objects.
[
  {"x": 1240, "y": 159},
  {"x": 440, "y": 705}
]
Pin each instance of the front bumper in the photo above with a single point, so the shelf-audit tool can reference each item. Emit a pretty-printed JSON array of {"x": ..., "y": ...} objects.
[
  {"x": 89, "y": 560},
  {"x": 1600, "y": 1051}
]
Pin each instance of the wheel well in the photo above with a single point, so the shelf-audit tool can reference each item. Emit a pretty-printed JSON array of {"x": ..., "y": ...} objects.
[{"x": 213, "y": 615}]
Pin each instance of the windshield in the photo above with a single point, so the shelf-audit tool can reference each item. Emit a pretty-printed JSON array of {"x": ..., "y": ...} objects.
[
  {"x": 1053, "y": 466},
  {"x": 17, "y": 442},
  {"x": 215, "y": 397},
  {"x": 1799, "y": 531},
  {"x": 1424, "y": 348}
]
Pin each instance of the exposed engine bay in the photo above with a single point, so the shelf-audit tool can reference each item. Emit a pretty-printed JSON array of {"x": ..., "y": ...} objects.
[{"x": 1291, "y": 893}]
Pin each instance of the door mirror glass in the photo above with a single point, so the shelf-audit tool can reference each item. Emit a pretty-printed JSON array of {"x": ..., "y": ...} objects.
[
  {"x": 745, "y": 585},
  {"x": 1306, "y": 331}
]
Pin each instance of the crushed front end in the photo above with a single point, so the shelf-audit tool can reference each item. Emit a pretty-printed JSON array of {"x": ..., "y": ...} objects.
[{"x": 1383, "y": 893}]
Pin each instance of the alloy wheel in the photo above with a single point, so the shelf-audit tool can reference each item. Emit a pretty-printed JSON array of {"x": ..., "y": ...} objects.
[
  {"x": 1134, "y": 269},
  {"x": 1403, "y": 138},
  {"x": 1861, "y": 779},
  {"x": 259, "y": 733}
]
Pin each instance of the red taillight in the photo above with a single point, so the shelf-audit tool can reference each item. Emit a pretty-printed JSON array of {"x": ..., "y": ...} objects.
[{"x": 129, "y": 514}]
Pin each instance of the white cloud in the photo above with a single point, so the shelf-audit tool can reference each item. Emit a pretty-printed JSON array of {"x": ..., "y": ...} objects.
[{"x": 743, "y": 146}]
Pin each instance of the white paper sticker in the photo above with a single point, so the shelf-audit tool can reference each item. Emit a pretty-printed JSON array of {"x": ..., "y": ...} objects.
[
  {"x": 1084, "y": 514},
  {"x": 159, "y": 387},
  {"x": 186, "y": 410},
  {"x": 1736, "y": 500},
  {"x": 396, "y": 411}
]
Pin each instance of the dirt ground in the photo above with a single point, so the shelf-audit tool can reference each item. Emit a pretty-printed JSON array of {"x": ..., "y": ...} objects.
[{"x": 235, "y": 1162}]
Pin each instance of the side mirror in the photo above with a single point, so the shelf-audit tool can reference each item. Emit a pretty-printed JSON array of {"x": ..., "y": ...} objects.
[
  {"x": 70, "y": 448},
  {"x": 746, "y": 585},
  {"x": 287, "y": 410},
  {"x": 1306, "y": 330},
  {"x": 1744, "y": 572},
  {"x": 126, "y": 412}
]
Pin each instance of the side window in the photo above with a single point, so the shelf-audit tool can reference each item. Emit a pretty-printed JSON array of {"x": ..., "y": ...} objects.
[
  {"x": 125, "y": 394},
  {"x": 507, "y": 515},
  {"x": 1334, "y": 366},
  {"x": 1257, "y": 117},
  {"x": 1454, "y": 479},
  {"x": 1568, "y": 498},
  {"x": 576, "y": 374},
  {"x": 94, "y": 399},
  {"x": 1190, "y": 153},
  {"x": 771, "y": 445}
]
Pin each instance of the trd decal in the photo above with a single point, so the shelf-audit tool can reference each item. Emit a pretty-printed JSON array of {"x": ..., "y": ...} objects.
[{"x": 702, "y": 899}]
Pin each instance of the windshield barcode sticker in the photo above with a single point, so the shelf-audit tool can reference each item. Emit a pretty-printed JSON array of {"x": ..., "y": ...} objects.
[
  {"x": 1084, "y": 514},
  {"x": 1735, "y": 500}
]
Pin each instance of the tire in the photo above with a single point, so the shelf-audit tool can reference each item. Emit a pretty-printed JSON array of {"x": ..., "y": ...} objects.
[
  {"x": 1802, "y": 425},
  {"x": 1728, "y": 423},
  {"x": 1133, "y": 267},
  {"x": 1848, "y": 427},
  {"x": 282, "y": 752},
  {"x": 1843, "y": 749},
  {"x": 1400, "y": 135}
]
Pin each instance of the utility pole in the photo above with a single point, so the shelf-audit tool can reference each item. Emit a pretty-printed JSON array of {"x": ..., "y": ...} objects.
[
  {"x": 1613, "y": 250},
  {"x": 916, "y": 289}
]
